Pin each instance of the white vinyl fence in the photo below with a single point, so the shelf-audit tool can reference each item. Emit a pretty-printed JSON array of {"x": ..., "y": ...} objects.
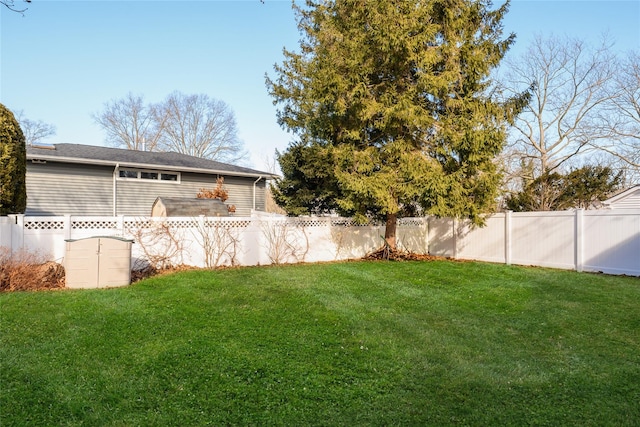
[
  {"x": 592, "y": 240},
  {"x": 211, "y": 241},
  {"x": 605, "y": 241}
]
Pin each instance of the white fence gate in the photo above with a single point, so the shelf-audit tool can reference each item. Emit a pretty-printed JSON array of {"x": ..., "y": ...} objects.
[{"x": 593, "y": 240}]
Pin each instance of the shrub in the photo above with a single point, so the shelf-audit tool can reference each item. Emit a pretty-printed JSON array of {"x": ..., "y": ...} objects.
[
  {"x": 217, "y": 193},
  {"x": 24, "y": 271},
  {"x": 13, "y": 165}
]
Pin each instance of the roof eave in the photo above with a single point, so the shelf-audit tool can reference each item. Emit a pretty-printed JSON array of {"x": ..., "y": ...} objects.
[{"x": 59, "y": 159}]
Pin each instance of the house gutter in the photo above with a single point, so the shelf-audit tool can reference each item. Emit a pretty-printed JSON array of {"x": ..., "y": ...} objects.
[
  {"x": 115, "y": 189},
  {"x": 254, "y": 192}
]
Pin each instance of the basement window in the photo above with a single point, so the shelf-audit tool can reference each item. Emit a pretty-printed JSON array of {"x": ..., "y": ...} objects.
[{"x": 148, "y": 175}]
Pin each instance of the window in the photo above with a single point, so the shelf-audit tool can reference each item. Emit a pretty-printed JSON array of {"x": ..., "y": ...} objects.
[
  {"x": 126, "y": 173},
  {"x": 169, "y": 177},
  {"x": 130, "y": 174},
  {"x": 148, "y": 175}
]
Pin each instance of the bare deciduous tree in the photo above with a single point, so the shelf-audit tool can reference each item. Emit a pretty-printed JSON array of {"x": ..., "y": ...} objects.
[
  {"x": 199, "y": 126},
  {"x": 129, "y": 123},
  {"x": 196, "y": 125},
  {"x": 34, "y": 130},
  {"x": 622, "y": 118},
  {"x": 571, "y": 83}
]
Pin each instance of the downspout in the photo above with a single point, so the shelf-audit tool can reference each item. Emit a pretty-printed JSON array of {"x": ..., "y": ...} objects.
[
  {"x": 254, "y": 192},
  {"x": 115, "y": 189}
]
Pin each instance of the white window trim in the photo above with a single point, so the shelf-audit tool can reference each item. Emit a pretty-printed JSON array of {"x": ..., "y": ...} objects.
[{"x": 139, "y": 172}]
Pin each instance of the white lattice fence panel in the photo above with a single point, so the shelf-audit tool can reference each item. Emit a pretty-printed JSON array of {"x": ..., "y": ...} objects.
[
  {"x": 137, "y": 223},
  {"x": 228, "y": 223},
  {"x": 341, "y": 222},
  {"x": 412, "y": 222},
  {"x": 307, "y": 222},
  {"x": 181, "y": 223},
  {"x": 94, "y": 224},
  {"x": 44, "y": 224},
  {"x": 348, "y": 222}
]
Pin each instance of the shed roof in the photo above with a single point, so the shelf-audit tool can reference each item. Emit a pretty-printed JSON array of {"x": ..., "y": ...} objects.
[
  {"x": 96, "y": 155},
  {"x": 177, "y": 206}
]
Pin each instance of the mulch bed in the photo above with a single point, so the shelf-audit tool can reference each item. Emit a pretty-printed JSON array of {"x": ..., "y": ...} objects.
[{"x": 385, "y": 253}]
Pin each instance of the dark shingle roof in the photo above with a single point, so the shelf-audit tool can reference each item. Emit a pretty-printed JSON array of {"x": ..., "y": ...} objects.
[{"x": 91, "y": 154}]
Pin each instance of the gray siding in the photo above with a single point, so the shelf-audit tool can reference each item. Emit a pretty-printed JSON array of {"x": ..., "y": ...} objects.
[
  {"x": 137, "y": 197},
  {"x": 59, "y": 188}
]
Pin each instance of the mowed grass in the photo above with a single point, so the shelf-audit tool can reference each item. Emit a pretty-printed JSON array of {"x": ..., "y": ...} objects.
[{"x": 358, "y": 343}]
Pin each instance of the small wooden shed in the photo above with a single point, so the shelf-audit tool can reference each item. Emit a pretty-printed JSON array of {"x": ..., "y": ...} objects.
[{"x": 176, "y": 206}]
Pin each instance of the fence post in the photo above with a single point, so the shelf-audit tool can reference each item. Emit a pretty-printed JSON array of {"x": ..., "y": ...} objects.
[
  {"x": 425, "y": 222},
  {"x": 455, "y": 238},
  {"x": 67, "y": 227},
  {"x": 579, "y": 239},
  {"x": 121, "y": 225},
  {"x": 17, "y": 233},
  {"x": 428, "y": 220},
  {"x": 507, "y": 237}
]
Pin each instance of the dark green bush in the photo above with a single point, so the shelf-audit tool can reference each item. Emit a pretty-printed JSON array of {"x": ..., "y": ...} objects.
[{"x": 13, "y": 165}]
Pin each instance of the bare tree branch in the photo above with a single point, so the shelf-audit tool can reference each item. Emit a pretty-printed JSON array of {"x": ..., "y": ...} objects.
[
  {"x": 129, "y": 123},
  {"x": 622, "y": 115},
  {"x": 34, "y": 131},
  {"x": 189, "y": 124},
  {"x": 11, "y": 5},
  {"x": 199, "y": 126},
  {"x": 571, "y": 86}
]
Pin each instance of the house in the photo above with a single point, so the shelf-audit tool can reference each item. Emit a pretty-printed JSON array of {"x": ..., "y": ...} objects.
[
  {"x": 627, "y": 199},
  {"x": 91, "y": 180}
]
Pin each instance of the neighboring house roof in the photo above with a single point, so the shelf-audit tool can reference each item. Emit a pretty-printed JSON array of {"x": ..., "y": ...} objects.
[
  {"x": 627, "y": 199},
  {"x": 106, "y": 156}
]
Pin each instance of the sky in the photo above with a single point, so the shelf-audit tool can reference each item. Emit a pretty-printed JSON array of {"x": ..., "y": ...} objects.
[{"x": 61, "y": 61}]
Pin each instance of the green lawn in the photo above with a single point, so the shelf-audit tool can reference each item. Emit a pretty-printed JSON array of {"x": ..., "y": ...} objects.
[{"x": 359, "y": 343}]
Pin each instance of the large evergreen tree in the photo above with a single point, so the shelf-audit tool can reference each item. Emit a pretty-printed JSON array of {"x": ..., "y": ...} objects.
[
  {"x": 13, "y": 165},
  {"x": 390, "y": 100}
]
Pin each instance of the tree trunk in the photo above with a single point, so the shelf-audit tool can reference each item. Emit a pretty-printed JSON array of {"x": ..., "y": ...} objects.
[{"x": 390, "y": 230}]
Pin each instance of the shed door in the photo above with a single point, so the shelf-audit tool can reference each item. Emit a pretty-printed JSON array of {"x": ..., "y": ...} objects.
[
  {"x": 114, "y": 265},
  {"x": 81, "y": 262}
]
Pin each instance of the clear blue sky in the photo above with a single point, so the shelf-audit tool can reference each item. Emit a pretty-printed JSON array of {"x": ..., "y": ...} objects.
[{"x": 64, "y": 59}]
